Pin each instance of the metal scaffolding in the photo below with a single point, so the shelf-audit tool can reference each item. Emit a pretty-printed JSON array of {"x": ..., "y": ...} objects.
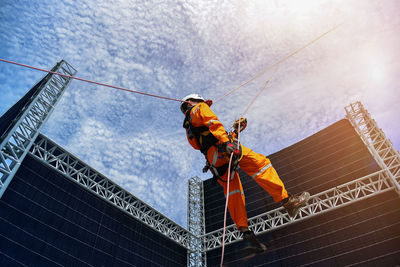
[
  {"x": 375, "y": 140},
  {"x": 16, "y": 143},
  {"x": 196, "y": 223}
]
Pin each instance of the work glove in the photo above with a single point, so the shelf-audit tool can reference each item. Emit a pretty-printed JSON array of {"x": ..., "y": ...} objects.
[
  {"x": 231, "y": 148},
  {"x": 242, "y": 122}
]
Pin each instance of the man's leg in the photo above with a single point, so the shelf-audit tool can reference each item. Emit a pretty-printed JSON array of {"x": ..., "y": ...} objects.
[
  {"x": 236, "y": 202},
  {"x": 261, "y": 170},
  {"x": 237, "y": 210}
]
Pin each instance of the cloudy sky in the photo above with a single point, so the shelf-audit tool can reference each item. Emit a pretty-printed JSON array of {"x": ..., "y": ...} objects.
[{"x": 173, "y": 48}]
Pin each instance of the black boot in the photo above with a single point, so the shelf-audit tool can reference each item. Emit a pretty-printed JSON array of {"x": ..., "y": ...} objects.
[
  {"x": 292, "y": 204},
  {"x": 251, "y": 243}
]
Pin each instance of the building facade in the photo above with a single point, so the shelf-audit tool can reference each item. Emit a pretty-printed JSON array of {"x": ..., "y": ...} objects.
[
  {"x": 57, "y": 210},
  {"x": 359, "y": 226}
]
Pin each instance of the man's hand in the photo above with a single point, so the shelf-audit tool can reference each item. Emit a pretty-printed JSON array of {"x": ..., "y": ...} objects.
[
  {"x": 230, "y": 148},
  {"x": 239, "y": 124}
]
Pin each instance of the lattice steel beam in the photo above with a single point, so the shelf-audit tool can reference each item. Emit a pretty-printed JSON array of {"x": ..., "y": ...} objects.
[
  {"x": 386, "y": 179},
  {"x": 196, "y": 222},
  {"x": 16, "y": 143},
  {"x": 328, "y": 200},
  {"x": 52, "y": 155},
  {"x": 374, "y": 138}
]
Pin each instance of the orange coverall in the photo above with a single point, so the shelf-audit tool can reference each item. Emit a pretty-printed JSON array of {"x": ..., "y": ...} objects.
[{"x": 255, "y": 165}]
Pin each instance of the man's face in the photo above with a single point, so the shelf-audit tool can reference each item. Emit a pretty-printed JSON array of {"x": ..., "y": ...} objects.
[{"x": 191, "y": 103}]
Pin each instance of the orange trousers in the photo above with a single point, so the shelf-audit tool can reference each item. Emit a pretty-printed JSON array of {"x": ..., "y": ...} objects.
[{"x": 256, "y": 166}]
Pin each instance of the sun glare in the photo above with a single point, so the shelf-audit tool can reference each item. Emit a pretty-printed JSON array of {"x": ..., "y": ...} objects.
[{"x": 378, "y": 74}]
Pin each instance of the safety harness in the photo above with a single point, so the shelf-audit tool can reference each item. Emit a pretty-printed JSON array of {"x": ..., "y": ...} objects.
[
  {"x": 202, "y": 134},
  {"x": 221, "y": 170},
  {"x": 206, "y": 140}
]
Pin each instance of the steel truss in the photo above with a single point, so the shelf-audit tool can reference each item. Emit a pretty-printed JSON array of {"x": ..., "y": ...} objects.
[
  {"x": 16, "y": 143},
  {"x": 24, "y": 137},
  {"x": 196, "y": 222},
  {"x": 374, "y": 138},
  {"x": 52, "y": 155},
  {"x": 328, "y": 200},
  {"x": 386, "y": 179}
]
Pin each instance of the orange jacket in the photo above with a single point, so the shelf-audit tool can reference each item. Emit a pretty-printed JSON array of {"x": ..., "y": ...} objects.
[{"x": 202, "y": 115}]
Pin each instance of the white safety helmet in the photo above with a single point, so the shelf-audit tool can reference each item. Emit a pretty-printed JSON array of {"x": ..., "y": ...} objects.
[{"x": 186, "y": 98}]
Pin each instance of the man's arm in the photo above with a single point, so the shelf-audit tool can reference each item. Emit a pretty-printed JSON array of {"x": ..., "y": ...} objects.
[{"x": 208, "y": 118}]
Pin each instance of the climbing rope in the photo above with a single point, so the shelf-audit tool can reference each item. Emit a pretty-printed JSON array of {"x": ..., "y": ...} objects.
[
  {"x": 278, "y": 62},
  {"x": 89, "y": 81},
  {"x": 231, "y": 157},
  {"x": 258, "y": 94},
  {"x": 276, "y": 65},
  {"x": 173, "y": 99},
  {"x": 226, "y": 207}
]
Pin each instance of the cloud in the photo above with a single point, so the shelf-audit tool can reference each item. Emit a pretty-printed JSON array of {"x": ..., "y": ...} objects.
[
  {"x": 174, "y": 49},
  {"x": 141, "y": 163}
]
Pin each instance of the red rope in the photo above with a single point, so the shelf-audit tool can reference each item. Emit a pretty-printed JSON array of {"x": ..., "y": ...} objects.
[{"x": 89, "y": 81}]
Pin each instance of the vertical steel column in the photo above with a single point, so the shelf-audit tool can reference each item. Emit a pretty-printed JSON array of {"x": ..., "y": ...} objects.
[
  {"x": 196, "y": 222},
  {"x": 380, "y": 147},
  {"x": 16, "y": 143}
]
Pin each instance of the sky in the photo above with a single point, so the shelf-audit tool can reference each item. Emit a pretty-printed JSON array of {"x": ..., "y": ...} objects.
[{"x": 174, "y": 48}]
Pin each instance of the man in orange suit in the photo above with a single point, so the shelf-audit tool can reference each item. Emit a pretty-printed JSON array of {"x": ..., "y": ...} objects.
[{"x": 207, "y": 134}]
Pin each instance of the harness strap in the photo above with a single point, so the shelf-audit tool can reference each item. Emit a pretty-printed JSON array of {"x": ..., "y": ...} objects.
[
  {"x": 190, "y": 111},
  {"x": 202, "y": 134},
  {"x": 206, "y": 140},
  {"x": 221, "y": 170}
]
